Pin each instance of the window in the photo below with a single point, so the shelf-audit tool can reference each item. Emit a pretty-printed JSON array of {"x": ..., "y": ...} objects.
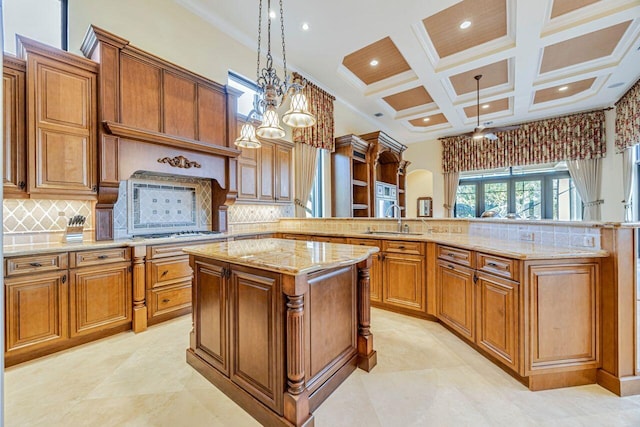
[
  {"x": 316, "y": 202},
  {"x": 250, "y": 92},
  {"x": 48, "y": 25},
  {"x": 533, "y": 193}
]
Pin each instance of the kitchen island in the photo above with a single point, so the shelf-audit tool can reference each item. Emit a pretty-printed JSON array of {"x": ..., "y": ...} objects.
[{"x": 279, "y": 324}]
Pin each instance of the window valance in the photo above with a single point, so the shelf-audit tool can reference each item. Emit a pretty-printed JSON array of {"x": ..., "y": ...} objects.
[
  {"x": 319, "y": 135},
  {"x": 628, "y": 118},
  {"x": 574, "y": 137}
]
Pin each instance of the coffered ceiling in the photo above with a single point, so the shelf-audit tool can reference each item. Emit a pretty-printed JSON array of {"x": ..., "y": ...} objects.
[{"x": 407, "y": 66}]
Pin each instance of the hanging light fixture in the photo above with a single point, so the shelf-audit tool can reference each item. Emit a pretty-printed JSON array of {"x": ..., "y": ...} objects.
[{"x": 273, "y": 91}]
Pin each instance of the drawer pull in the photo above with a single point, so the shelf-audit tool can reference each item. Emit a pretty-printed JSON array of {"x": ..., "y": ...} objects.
[
  {"x": 164, "y": 273},
  {"x": 103, "y": 256},
  {"x": 451, "y": 267},
  {"x": 401, "y": 247},
  {"x": 64, "y": 279},
  {"x": 492, "y": 264},
  {"x": 451, "y": 254},
  {"x": 35, "y": 264},
  {"x": 166, "y": 300}
]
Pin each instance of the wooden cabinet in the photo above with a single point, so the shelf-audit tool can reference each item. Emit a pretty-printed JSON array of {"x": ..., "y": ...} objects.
[
  {"x": 350, "y": 178},
  {"x": 36, "y": 315},
  {"x": 168, "y": 281},
  {"x": 14, "y": 126},
  {"x": 497, "y": 318},
  {"x": 61, "y": 122},
  {"x": 455, "y": 290},
  {"x": 248, "y": 353},
  {"x": 264, "y": 174},
  {"x": 100, "y": 297}
]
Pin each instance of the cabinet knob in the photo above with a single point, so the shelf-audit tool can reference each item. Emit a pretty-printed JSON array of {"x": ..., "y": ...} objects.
[
  {"x": 22, "y": 185},
  {"x": 401, "y": 247},
  {"x": 166, "y": 300},
  {"x": 103, "y": 256},
  {"x": 475, "y": 278},
  {"x": 35, "y": 264},
  {"x": 451, "y": 266},
  {"x": 64, "y": 279},
  {"x": 94, "y": 188},
  {"x": 164, "y": 273},
  {"x": 492, "y": 264}
]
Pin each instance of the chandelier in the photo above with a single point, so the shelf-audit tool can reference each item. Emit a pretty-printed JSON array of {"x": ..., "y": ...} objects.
[{"x": 272, "y": 93}]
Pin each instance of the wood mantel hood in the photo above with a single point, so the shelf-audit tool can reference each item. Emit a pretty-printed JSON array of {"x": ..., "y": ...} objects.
[{"x": 159, "y": 117}]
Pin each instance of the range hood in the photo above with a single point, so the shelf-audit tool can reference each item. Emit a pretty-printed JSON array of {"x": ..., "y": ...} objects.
[{"x": 158, "y": 117}]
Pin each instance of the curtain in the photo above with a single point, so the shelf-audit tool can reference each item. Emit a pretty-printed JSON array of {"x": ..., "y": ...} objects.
[
  {"x": 628, "y": 163},
  {"x": 305, "y": 174},
  {"x": 628, "y": 118},
  {"x": 450, "y": 189},
  {"x": 587, "y": 175},
  {"x": 320, "y": 102},
  {"x": 578, "y": 136}
]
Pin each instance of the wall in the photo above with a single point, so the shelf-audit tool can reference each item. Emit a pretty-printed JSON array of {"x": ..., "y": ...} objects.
[{"x": 419, "y": 184}]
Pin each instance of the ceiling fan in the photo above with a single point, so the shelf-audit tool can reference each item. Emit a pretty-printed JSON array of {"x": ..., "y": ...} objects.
[{"x": 480, "y": 131}]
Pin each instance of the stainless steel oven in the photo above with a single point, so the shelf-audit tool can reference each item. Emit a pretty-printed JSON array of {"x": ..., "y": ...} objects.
[{"x": 386, "y": 196}]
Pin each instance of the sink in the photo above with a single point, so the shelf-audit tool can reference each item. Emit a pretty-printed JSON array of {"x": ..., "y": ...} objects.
[{"x": 393, "y": 233}]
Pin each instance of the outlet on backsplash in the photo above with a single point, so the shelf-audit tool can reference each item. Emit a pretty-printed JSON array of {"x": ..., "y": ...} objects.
[
  {"x": 527, "y": 236},
  {"x": 589, "y": 241}
]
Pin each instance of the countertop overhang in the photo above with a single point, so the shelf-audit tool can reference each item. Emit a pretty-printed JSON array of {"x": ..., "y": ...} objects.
[{"x": 293, "y": 257}]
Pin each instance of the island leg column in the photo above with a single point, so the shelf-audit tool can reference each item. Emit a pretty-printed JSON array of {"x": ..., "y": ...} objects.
[
  {"x": 296, "y": 396},
  {"x": 367, "y": 355}
]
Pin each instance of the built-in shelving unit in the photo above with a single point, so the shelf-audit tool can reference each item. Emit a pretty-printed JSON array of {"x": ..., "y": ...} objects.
[{"x": 351, "y": 178}]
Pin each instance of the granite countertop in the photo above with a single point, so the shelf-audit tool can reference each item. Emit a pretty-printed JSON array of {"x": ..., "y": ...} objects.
[{"x": 293, "y": 257}]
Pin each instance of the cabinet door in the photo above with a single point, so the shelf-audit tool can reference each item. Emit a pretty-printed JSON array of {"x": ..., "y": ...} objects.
[
  {"x": 62, "y": 127},
  {"x": 375, "y": 278},
  {"x": 210, "y": 313},
  {"x": 497, "y": 318},
  {"x": 248, "y": 174},
  {"x": 267, "y": 178},
  {"x": 36, "y": 312},
  {"x": 403, "y": 281},
  {"x": 14, "y": 111},
  {"x": 100, "y": 298},
  {"x": 454, "y": 288},
  {"x": 282, "y": 173},
  {"x": 256, "y": 314}
]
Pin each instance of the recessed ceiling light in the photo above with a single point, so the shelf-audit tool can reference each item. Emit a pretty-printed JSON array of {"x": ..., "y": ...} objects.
[
  {"x": 426, "y": 119},
  {"x": 465, "y": 24},
  {"x": 615, "y": 85},
  {"x": 563, "y": 88},
  {"x": 272, "y": 14},
  {"x": 305, "y": 26},
  {"x": 374, "y": 62},
  {"x": 485, "y": 106}
]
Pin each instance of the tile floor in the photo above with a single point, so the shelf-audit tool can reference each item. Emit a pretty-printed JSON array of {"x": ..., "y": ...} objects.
[{"x": 425, "y": 377}]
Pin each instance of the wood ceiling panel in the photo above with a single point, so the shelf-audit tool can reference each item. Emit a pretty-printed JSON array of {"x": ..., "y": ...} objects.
[
  {"x": 409, "y": 98},
  {"x": 561, "y": 7},
  {"x": 436, "y": 119},
  {"x": 492, "y": 75},
  {"x": 488, "y": 22},
  {"x": 551, "y": 93},
  {"x": 390, "y": 61},
  {"x": 585, "y": 48},
  {"x": 494, "y": 107}
]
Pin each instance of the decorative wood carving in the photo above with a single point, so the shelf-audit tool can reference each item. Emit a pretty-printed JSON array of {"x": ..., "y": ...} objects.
[
  {"x": 139, "y": 289},
  {"x": 366, "y": 354},
  {"x": 180, "y": 162}
]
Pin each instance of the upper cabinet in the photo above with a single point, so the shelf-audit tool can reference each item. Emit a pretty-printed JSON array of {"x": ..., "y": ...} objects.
[
  {"x": 14, "y": 136},
  {"x": 61, "y": 122},
  {"x": 351, "y": 178},
  {"x": 264, "y": 174}
]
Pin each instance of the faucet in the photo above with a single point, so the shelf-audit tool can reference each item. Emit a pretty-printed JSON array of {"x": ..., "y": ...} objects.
[{"x": 398, "y": 215}]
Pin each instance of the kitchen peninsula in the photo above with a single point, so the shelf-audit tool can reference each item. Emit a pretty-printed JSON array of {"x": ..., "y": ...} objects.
[{"x": 279, "y": 324}]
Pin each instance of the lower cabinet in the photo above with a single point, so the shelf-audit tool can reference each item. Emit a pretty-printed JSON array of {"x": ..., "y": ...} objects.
[
  {"x": 56, "y": 301},
  {"x": 100, "y": 296},
  {"x": 455, "y": 290},
  {"x": 36, "y": 314},
  {"x": 248, "y": 353}
]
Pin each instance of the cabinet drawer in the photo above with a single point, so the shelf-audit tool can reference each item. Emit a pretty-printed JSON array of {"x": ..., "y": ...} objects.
[
  {"x": 170, "y": 298},
  {"x": 173, "y": 249},
  {"x": 459, "y": 256},
  {"x": 290, "y": 236},
  {"x": 101, "y": 256},
  {"x": 163, "y": 272},
  {"x": 499, "y": 266},
  {"x": 365, "y": 242},
  {"x": 35, "y": 263},
  {"x": 404, "y": 247}
]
